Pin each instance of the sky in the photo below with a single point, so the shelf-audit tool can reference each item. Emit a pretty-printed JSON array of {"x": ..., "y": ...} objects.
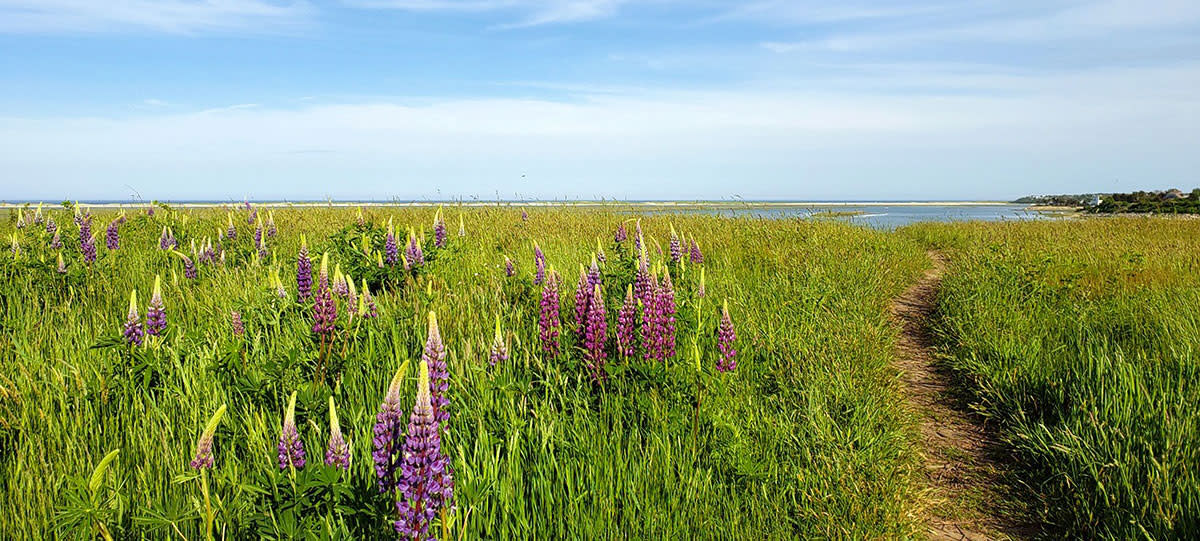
[{"x": 586, "y": 99}]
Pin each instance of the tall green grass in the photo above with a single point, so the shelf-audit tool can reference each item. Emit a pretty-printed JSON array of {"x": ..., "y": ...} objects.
[
  {"x": 1081, "y": 339},
  {"x": 806, "y": 439}
]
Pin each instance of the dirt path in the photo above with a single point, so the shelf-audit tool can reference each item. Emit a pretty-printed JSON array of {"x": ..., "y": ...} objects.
[{"x": 965, "y": 499}]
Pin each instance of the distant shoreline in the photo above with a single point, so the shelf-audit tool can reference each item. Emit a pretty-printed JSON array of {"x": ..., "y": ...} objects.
[{"x": 601, "y": 204}]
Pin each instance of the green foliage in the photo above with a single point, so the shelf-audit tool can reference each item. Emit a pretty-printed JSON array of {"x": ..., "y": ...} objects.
[
  {"x": 806, "y": 439},
  {"x": 1080, "y": 340}
]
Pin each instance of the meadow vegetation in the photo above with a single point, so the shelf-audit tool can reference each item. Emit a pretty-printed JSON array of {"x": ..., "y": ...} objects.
[{"x": 104, "y": 424}]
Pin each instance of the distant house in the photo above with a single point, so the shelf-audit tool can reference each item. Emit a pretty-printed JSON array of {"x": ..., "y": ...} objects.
[
  {"x": 1094, "y": 201},
  {"x": 1173, "y": 194}
]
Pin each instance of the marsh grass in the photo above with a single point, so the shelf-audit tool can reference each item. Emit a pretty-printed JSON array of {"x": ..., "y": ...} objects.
[
  {"x": 805, "y": 439},
  {"x": 1081, "y": 340}
]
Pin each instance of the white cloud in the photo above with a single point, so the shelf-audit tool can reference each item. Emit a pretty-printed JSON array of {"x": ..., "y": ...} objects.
[
  {"x": 1041, "y": 131},
  {"x": 168, "y": 16},
  {"x": 532, "y": 12}
]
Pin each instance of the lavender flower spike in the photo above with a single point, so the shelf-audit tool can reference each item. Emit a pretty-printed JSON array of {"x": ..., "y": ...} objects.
[
  {"x": 291, "y": 447},
  {"x": 426, "y": 484},
  {"x": 231, "y": 231},
  {"x": 462, "y": 229},
  {"x": 509, "y": 270},
  {"x": 303, "y": 271},
  {"x": 439, "y": 230},
  {"x": 338, "y": 451},
  {"x": 390, "y": 248},
  {"x": 596, "y": 334},
  {"x": 62, "y": 265},
  {"x": 620, "y": 235},
  {"x": 726, "y": 336},
  {"x": 549, "y": 322},
  {"x": 235, "y": 322},
  {"x": 389, "y": 431},
  {"x": 413, "y": 254},
  {"x": 626, "y": 319},
  {"x": 203, "y": 458},
  {"x": 435, "y": 356},
  {"x": 366, "y": 303},
  {"x": 156, "y": 315},
  {"x": 133, "y": 324},
  {"x": 675, "y": 246},
  {"x": 499, "y": 351},
  {"x": 323, "y": 272},
  {"x": 696, "y": 255}
]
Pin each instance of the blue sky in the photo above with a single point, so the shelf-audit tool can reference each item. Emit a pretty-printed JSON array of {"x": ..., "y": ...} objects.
[{"x": 659, "y": 99}]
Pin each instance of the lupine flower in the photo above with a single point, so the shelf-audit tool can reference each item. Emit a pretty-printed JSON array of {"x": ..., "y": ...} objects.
[
  {"x": 499, "y": 351},
  {"x": 21, "y": 219},
  {"x": 271, "y": 231},
  {"x": 253, "y": 216},
  {"x": 258, "y": 231},
  {"x": 149, "y": 210},
  {"x": 676, "y": 247},
  {"x": 203, "y": 458},
  {"x": 359, "y": 219},
  {"x": 462, "y": 229},
  {"x": 87, "y": 244},
  {"x": 696, "y": 255},
  {"x": 524, "y": 216},
  {"x": 291, "y": 447},
  {"x": 351, "y": 295},
  {"x": 133, "y": 324},
  {"x": 426, "y": 484},
  {"x": 389, "y": 429},
  {"x": 439, "y": 230},
  {"x": 246, "y": 204},
  {"x": 339, "y": 282},
  {"x": 189, "y": 268},
  {"x": 639, "y": 242},
  {"x": 415, "y": 256},
  {"x": 338, "y": 451},
  {"x": 620, "y": 235},
  {"x": 435, "y": 355},
  {"x": 231, "y": 231},
  {"x": 235, "y": 322},
  {"x": 89, "y": 250},
  {"x": 366, "y": 303},
  {"x": 56, "y": 241},
  {"x": 323, "y": 272},
  {"x": 389, "y": 246},
  {"x": 643, "y": 282},
  {"x": 725, "y": 339},
  {"x": 600, "y": 252},
  {"x": 15, "y": 244},
  {"x": 539, "y": 262},
  {"x": 280, "y": 291},
  {"x": 37, "y": 214},
  {"x": 163, "y": 243},
  {"x": 700, "y": 291},
  {"x": 583, "y": 297},
  {"x": 666, "y": 310},
  {"x": 303, "y": 271},
  {"x": 324, "y": 311},
  {"x": 549, "y": 322},
  {"x": 51, "y": 227},
  {"x": 156, "y": 315},
  {"x": 62, "y": 265},
  {"x": 509, "y": 269},
  {"x": 596, "y": 334},
  {"x": 626, "y": 319}
]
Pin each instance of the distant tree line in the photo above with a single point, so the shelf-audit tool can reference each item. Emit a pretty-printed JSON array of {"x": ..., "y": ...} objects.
[
  {"x": 1065, "y": 200},
  {"x": 1161, "y": 202}
]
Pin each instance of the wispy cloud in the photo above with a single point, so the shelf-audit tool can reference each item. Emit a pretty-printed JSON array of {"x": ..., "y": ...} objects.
[
  {"x": 528, "y": 12},
  {"x": 165, "y": 16}
]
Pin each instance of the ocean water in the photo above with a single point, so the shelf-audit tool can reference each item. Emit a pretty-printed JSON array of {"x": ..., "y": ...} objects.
[{"x": 884, "y": 216}]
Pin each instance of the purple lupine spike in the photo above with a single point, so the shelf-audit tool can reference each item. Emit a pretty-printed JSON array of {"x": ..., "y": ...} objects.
[
  {"x": 596, "y": 335},
  {"x": 643, "y": 283},
  {"x": 156, "y": 314},
  {"x": 340, "y": 287},
  {"x": 389, "y": 433},
  {"x": 675, "y": 247},
  {"x": 163, "y": 240},
  {"x": 203, "y": 457},
  {"x": 539, "y": 262},
  {"x": 324, "y": 311},
  {"x": 583, "y": 297},
  {"x": 549, "y": 321},
  {"x": 651, "y": 320},
  {"x": 291, "y": 447},
  {"x": 51, "y": 227},
  {"x": 620, "y": 235},
  {"x": 509, "y": 269},
  {"x": 435, "y": 355},
  {"x": 150, "y": 210},
  {"x": 86, "y": 243},
  {"x": 258, "y": 234},
  {"x": 524, "y": 216},
  {"x": 390, "y": 249},
  {"x": 696, "y": 255},
  {"x": 252, "y": 216},
  {"x": 337, "y": 453},
  {"x": 189, "y": 268},
  {"x": 499, "y": 352},
  {"x": 89, "y": 251},
  {"x": 246, "y": 204},
  {"x": 726, "y": 336},
  {"x": 62, "y": 265},
  {"x": 235, "y": 323},
  {"x": 626, "y": 318},
  {"x": 56, "y": 241},
  {"x": 303, "y": 272},
  {"x": 426, "y": 483},
  {"x": 667, "y": 309},
  {"x": 271, "y": 230},
  {"x": 366, "y": 303},
  {"x": 638, "y": 239},
  {"x": 413, "y": 253},
  {"x": 133, "y": 325},
  {"x": 231, "y": 231},
  {"x": 439, "y": 231}
]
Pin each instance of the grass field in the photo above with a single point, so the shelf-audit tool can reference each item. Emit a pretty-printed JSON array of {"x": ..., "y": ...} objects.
[
  {"x": 1081, "y": 340},
  {"x": 805, "y": 438}
]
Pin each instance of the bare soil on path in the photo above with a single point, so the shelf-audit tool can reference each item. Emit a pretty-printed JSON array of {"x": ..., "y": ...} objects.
[{"x": 966, "y": 496}]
